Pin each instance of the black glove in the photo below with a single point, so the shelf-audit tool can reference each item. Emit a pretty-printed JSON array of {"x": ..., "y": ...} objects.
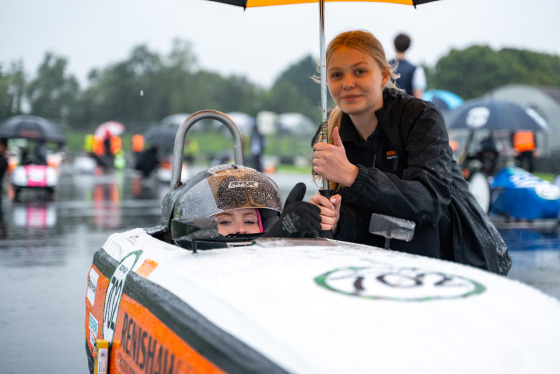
[{"x": 299, "y": 219}]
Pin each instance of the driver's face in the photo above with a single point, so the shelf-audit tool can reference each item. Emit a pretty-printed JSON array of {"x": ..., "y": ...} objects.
[{"x": 239, "y": 221}]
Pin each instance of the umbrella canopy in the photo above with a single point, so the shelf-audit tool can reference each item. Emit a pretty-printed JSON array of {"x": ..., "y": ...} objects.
[
  {"x": 258, "y": 3},
  {"x": 113, "y": 128},
  {"x": 489, "y": 114},
  {"x": 31, "y": 127},
  {"x": 443, "y": 99},
  {"x": 162, "y": 135},
  {"x": 261, "y": 3}
]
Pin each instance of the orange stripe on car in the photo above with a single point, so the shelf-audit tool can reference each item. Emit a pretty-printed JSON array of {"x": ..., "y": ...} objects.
[{"x": 146, "y": 268}]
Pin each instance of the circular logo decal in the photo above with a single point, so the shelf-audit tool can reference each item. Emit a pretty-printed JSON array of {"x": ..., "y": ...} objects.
[
  {"x": 404, "y": 284},
  {"x": 477, "y": 117}
]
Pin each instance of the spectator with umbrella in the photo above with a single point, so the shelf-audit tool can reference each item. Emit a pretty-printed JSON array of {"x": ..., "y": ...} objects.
[
  {"x": 493, "y": 115},
  {"x": 107, "y": 145}
]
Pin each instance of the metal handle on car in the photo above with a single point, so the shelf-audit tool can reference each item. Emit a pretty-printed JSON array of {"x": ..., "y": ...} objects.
[{"x": 182, "y": 132}]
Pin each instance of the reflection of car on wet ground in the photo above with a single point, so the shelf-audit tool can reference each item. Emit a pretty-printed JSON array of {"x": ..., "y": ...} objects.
[
  {"x": 254, "y": 305},
  {"x": 34, "y": 215}
]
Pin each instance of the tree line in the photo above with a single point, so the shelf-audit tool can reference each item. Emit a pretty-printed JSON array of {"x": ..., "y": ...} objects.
[{"x": 147, "y": 86}]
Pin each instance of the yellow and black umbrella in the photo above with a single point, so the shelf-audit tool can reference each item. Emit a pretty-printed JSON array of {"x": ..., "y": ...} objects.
[
  {"x": 257, "y": 3},
  {"x": 260, "y": 3}
]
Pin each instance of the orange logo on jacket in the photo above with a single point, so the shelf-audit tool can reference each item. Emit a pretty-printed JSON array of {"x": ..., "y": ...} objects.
[{"x": 391, "y": 155}]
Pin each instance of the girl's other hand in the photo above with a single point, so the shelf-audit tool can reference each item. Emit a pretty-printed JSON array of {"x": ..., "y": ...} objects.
[{"x": 330, "y": 210}]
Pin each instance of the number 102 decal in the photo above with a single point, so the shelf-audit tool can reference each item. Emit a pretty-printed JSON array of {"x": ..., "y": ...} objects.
[{"x": 114, "y": 294}]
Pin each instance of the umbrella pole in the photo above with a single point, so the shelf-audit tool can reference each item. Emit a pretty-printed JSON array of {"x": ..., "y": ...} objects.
[
  {"x": 463, "y": 155},
  {"x": 323, "y": 73},
  {"x": 325, "y": 191},
  {"x": 323, "y": 67}
]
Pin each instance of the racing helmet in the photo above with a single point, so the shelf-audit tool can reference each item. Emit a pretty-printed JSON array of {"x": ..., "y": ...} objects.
[{"x": 224, "y": 188}]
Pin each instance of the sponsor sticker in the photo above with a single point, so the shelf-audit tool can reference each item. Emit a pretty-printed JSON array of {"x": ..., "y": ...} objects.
[
  {"x": 114, "y": 294},
  {"x": 102, "y": 360},
  {"x": 92, "y": 285},
  {"x": 93, "y": 324},
  {"x": 92, "y": 339},
  {"x": 144, "y": 349},
  {"x": 243, "y": 184},
  {"x": 398, "y": 284}
]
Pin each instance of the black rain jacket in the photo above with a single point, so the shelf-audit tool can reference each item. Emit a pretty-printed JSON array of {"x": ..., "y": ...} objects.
[{"x": 421, "y": 182}]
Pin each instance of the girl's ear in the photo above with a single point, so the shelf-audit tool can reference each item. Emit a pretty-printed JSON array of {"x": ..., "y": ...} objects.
[{"x": 386, "y": 74}]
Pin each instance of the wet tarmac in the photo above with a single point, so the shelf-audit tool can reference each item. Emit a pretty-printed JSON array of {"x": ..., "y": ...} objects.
[{"x": 46, "y": 249}]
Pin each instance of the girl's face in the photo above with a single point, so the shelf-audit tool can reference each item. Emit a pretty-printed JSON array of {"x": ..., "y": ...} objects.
[
  {"x": 355, "y": 81},
  {"x": 239, "y": 221}
]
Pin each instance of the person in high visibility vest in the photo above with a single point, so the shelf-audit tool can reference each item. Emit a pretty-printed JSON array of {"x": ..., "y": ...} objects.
[
  {"x": 116, "y": 145},
  {"x": 525, "y": 149},
  {"x": 137, "y": 143},
  {"x": 88, "y": 143},
  {"x": 97, "y": 146},
  {"x": 137, "y": 146}
]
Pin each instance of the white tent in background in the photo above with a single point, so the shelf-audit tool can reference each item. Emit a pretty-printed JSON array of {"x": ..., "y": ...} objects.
[
  {"x": 175, "y": 119},
  {"x": 296, "y": 124},
  {"x": 243, "y": 122}
]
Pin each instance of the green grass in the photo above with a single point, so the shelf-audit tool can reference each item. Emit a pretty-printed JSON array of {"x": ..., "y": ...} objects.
[
  {"x": 546, "y": 176},
  {"x": 294, "y": 169},
  {"x": 211, "y": 143}
]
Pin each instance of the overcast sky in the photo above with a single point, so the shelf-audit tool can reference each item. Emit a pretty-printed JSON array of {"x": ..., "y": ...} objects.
[{"x": 260, "y": 42}]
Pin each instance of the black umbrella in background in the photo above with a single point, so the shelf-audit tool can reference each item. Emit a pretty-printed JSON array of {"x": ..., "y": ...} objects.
[
  {"x": 31, "y": 127},
  {"x": 490, "y": 114},
  {"x": 161, "y": 136}
]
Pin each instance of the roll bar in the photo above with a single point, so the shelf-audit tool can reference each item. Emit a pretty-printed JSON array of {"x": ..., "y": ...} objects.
[{"x": 179, "y": 145}]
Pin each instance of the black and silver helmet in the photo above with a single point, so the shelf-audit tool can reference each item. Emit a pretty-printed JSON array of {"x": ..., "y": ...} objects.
[{"x": 224, "y": 188}]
